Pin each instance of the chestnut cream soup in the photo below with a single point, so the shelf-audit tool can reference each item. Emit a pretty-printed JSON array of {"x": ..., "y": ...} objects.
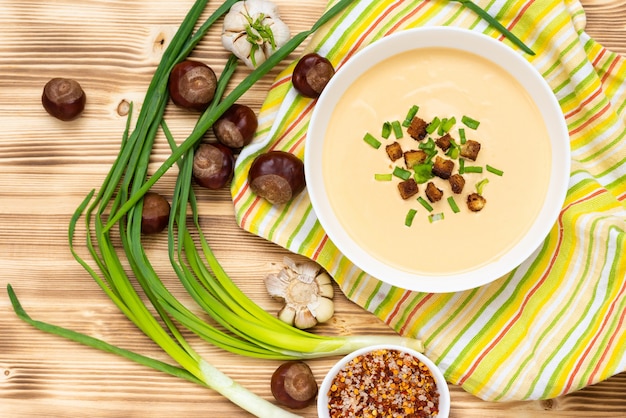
[{"x": 443, "y": 83}]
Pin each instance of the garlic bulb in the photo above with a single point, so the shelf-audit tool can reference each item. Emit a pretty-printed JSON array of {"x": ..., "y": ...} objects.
[
  {"x": 307, "y": 292},
  {"x": 253, "y": 30}
]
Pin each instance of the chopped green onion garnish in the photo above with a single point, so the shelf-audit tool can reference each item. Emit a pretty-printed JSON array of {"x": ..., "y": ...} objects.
[
  {"x": 469, "y": 122},
  {"x": 480, "y": 185},
  {"x": 494, "y": 170},
  {"x": 383, "y": 177},
  {"x": 433, "y": 125},
  {"x": 423, "y": 172},
  {"x": 434, "y": 217},
  {"x": 461, "y": 166},
  {"x": 431, "y": 154},
  {"x": 428, "y": 145},
  {"x": 397, "y": 129},
  {"x": 454, "y": 150},
  {"x": 473, "y": 169},
  {"x": 462, "y": 135},
  {"x": 453, "y": 205},
  {"x": 408, "y": 220},
  {"x": 424, "y": 203},
  {"x": 410, "y": 115},
  {"x": 448, "y": 124},
  {"x": 386, "y": 130},
  {"x": 401, "y": 173},
  {"x": 441, "y": 131},
  {"x": 369, "y": 138}
]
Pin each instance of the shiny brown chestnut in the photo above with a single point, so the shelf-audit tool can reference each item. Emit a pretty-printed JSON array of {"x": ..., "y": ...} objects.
[
  {"x": 293, "y": 385},
  {"x": 213, "y": 165},
  {"x": 276, "y": 176},
  {"x": 192, "y": 85},
  {"x": 311, "y": 74},
  {"x": 236, "y": 127},
  {"x": 155, "y": 214},
  {"x": 63, "y": 98}
]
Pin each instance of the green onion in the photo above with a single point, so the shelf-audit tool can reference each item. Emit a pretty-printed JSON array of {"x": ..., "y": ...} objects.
[
  {"x": 448, "y": 124},
  {"x": 470, "y": 122},
  {"x": 453, "y": 205},
  {"x": 494, "y": 170},
  {"x": 494, "y": 22},
  {"x": 424, "y": 203},
  {"x": 410, "y": 115},
  {"x": 371, "y": 140},
  {"x": 410, "y": 215},
  {"x": 386, "y": 131},
  {"x": 462, "y": 135},
  {"x": 423, "y": 172},
  {"x": 434, "y": 217},
  {"x": 397, "y": 129},
  {"x": 473, "y": 169},
  {"x": 481, "y": 185},
  {"x": 461, "y": 166},
  {"x": 401, "y": 173},
  {"x": 428, "y": 145},
  {"x": 383, "y": 177},
  {"x": 440, "y": 130},
  {"x": 433, "y": 125},
  {"x": 454, "y": 150}
]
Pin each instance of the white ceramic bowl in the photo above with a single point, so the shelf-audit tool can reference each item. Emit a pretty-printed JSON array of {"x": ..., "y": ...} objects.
[
  {"x": 539, "y": 92},
  {"x": 442, "y": 386}
]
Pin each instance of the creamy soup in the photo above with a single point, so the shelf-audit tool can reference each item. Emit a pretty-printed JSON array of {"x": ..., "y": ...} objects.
[{"x": 443, "y": 83}]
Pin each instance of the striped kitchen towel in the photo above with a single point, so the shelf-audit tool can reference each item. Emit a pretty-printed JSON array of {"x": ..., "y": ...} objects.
[{"x": 557, "y": 322}]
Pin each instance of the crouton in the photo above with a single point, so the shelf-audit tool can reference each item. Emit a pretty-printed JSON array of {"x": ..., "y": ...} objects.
[
  {"x": 433, "y": 193},
  {"x": 476, "y": 202},
  {"x": 444, "y": 142},
  {"x": 457, "y": 182},
  {"x": 408, "y": 188},
  {"x": 470, "y": 149},
  {"x": 414, "y": 157},
  {"x": 417, "y": 128},
  {"x": 394, "y": 151},
  {"x": 442, "y": 167}
]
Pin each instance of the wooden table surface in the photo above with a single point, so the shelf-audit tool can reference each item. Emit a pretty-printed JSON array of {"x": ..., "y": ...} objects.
[{"x": 46, "y": 169}]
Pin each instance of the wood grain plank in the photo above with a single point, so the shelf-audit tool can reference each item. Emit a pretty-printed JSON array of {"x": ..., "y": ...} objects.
[{"x": 46, "y": 169}]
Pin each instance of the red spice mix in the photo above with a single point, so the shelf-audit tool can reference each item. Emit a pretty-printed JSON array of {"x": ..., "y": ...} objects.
[{"x": 384, "y": 383}]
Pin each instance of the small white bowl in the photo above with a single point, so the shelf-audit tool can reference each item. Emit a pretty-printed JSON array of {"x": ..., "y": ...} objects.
[
  {"x": 368, "y": 255},
  {"x": 442, "y": 386}
]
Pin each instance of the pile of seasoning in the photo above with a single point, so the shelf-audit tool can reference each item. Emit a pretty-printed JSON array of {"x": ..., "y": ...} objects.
[{"x": 384, "y": 383}]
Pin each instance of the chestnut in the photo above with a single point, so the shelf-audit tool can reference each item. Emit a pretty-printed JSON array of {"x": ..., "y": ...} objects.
[
  {"x": 155, "y": 214},
  {"x": 63, "y": 98},
  {"x": 213, "y": 165},
  {"x": 236, "y": 127},
  {"x": 276, "y": 176},
  {"x": 311, "y": 74},
  {"x": 293, "y": 385},
  {"x": 192, "y": 85}
]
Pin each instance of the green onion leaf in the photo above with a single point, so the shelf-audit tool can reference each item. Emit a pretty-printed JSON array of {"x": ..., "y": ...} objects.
[
  {"x": 423, "y": 172},
  {"x": 410, "y": 215},
  {"x": 401, "y": 173},
  {"x": 470, "y": 122},
  {"x": 481, "y": 185},
  {"x": 397, "y": 129},
  {"x": 428, "y": 145},
  {"x": 473, "y": 169},
  {"x": 453, "y": 205},
  {"x": 424, "y": 203},
  {"x": 454, "y": 150},
  {"x": 448, "y": 124},
  {"x": 383, "y": 177},
  {"x": 494, "y": 170},
  {"x": 386, "y": 131},
  {"x": 461, "y": 166},
  {"x": 410, "y": 115},
  {"x": 371, "y": 140},
  {"x": 462, "y": 135},
  {"x": 433, "y": 125}
]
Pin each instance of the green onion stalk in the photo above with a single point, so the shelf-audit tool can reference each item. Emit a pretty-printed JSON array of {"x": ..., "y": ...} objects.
[{"x": 239, "y": 325}]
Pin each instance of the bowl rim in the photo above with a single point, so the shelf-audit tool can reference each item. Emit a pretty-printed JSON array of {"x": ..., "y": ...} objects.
[
  {"x": 485, "y": 47},
  {"x": 442, "y": 385}
]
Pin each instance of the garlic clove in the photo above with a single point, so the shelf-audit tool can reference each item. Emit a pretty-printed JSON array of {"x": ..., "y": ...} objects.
[
  {"x": 304, "y": 319},
  {"x": 325, "y": 286},
  {"x": 287, "y": 314},
  {"x": 325, "y": 310}
]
